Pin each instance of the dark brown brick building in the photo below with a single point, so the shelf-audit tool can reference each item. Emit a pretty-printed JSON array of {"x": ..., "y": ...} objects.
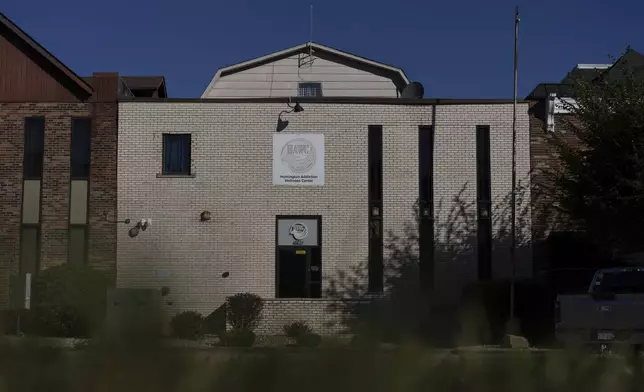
[
  {"x": 547, "y": 120},
  {"x": 58, "y": 149}
]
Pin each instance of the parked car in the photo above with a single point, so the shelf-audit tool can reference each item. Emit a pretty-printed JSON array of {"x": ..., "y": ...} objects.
[{"x": 610, "y": 312}]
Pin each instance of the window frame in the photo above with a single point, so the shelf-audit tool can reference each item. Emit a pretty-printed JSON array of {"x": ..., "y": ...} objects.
[
  {"x": 309, "y": 281},
  {"x": 310, "y": 85},
  {"x": 375, "y": 180},
  {"x": 164, "y": 141}
]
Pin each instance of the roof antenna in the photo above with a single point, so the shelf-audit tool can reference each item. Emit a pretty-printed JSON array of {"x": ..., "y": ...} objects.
[
  {"x": 304, "y": 58},
  {"x": 310, "y": 28}
]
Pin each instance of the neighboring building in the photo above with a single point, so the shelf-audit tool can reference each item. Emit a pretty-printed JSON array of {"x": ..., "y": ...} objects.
[
  {"x": 58, "y": 139},
  {"x": 312, "y": 210},
  {"x": 547, "y": 119}
]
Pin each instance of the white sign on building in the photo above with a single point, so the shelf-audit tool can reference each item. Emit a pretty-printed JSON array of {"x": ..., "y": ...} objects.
[{"x": 298, "y": 159}]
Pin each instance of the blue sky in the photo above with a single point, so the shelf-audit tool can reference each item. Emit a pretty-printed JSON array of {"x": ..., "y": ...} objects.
[{"x": 458, "y": 49}]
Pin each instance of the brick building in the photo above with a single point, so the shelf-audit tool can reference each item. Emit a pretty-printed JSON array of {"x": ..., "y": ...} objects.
[
  {"x": 58, "y": 139},
  {"x": 307, "y": 174},
  {"x": 548, "y": 119}
]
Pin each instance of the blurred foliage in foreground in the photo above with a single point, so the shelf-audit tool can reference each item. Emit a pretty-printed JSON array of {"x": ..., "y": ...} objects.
[{"x": 137, "y": 366}]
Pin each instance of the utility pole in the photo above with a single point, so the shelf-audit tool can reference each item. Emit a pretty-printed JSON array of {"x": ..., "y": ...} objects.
[{"x": 513, "y": 201}]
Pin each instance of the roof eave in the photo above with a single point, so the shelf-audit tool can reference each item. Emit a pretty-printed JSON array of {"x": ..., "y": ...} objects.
[{"x": 42, "y": 51}]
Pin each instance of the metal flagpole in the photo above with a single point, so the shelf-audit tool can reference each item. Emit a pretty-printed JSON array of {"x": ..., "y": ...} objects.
[{"x": 514, "y": 169}]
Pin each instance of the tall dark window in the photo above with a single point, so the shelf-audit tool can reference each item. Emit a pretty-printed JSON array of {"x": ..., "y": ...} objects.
[
  {"x": 376, "y": 265},
  {"x": 426, "y": 205},
  {"x": 34, "y": 147},
  {"x": 176, "y": 154},
  {"x": 484, "y": 202},
  {"x": 81, "y": 147}
]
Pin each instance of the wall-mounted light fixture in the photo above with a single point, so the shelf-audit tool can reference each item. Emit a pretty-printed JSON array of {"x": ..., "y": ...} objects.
[
  {"x": 282, "y": 124},
  {"x": 205, "y": 216},
  {"x": 141, "y": 225}
]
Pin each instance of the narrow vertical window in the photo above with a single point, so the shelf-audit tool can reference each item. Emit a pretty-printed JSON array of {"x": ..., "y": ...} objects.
[
  {"x": 484, "y": 202},
  {"x": 376, "y": 264},
  {"x": 81, "y": 147},
  {"x": 33, "y": 159},
  {"x": 34, "y": 147},
  {"x": 426, "y": 205},
  {"x": 80, "y": 161}
]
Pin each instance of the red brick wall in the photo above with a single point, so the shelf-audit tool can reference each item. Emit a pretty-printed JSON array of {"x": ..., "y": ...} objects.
[{"x": 56, "y": 184}]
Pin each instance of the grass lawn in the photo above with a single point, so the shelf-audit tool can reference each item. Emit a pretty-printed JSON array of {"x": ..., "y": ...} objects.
[{"x": 137, "y": 367}]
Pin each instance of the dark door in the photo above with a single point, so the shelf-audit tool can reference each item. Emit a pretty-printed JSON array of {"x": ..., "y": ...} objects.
[
  {"x": 300, "y": 272},
  {"x": 293, "y": 268},
  {"x": 298, "y": 268}
]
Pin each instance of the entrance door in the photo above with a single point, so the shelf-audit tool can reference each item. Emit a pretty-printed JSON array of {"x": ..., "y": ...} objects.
[
  {"x": 298, "y": 257},
  {"x": 293, "y": 264}
]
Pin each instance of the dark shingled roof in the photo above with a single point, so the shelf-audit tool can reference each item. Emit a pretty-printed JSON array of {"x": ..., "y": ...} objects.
[
  {"x": 544, "y": 89},
  {"x": 146, "y": 83},
  {"x": 585, "y": 74},
  {"x": 143, "y": 82},
  {"x": 631, "y": 61},
  {"x": 136, "y": 84}
]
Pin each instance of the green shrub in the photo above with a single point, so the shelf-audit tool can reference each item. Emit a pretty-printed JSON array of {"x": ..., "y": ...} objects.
[
  {"x": 237, "y": 338},
  {"x": 309, "y": 340},
  {"x": 296, "y": 329},
  {"x": 244, "y": 311},
  {"x": 187, "y": 325},
  {"x": 68, "y": 301},
  {"x": 59, "y": 321},
  {"x": 303, "y": 334}
]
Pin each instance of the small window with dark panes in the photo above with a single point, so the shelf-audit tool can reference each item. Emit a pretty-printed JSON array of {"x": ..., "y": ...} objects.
[{"x": 309, "y": 89}]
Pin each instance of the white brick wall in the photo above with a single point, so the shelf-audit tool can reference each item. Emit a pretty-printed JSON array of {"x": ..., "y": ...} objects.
[{"x": 232, "y": 162}]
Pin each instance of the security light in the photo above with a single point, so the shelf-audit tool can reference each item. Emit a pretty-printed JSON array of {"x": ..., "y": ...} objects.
[
  {"x": 205, "y": 216},
  {"x": 282, "y": 124}
]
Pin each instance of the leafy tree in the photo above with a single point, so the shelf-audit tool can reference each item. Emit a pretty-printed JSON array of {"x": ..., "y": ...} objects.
[{"x": 601, "y": 181}]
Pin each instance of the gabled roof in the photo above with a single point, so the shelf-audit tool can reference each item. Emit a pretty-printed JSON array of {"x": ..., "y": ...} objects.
[
  {"x": 631, "y": 61},
  {"x": 396, "y": 74},
  {"x": 7, "y": 27}
]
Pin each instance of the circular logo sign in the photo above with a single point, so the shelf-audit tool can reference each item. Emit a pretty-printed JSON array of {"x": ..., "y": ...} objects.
[
  {"x": 298, "y": 231},
  {"x": 299, "y": 155}
]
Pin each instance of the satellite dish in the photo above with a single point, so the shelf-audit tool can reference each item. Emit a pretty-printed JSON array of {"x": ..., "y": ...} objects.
[{"x": 413, "y": 90}]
